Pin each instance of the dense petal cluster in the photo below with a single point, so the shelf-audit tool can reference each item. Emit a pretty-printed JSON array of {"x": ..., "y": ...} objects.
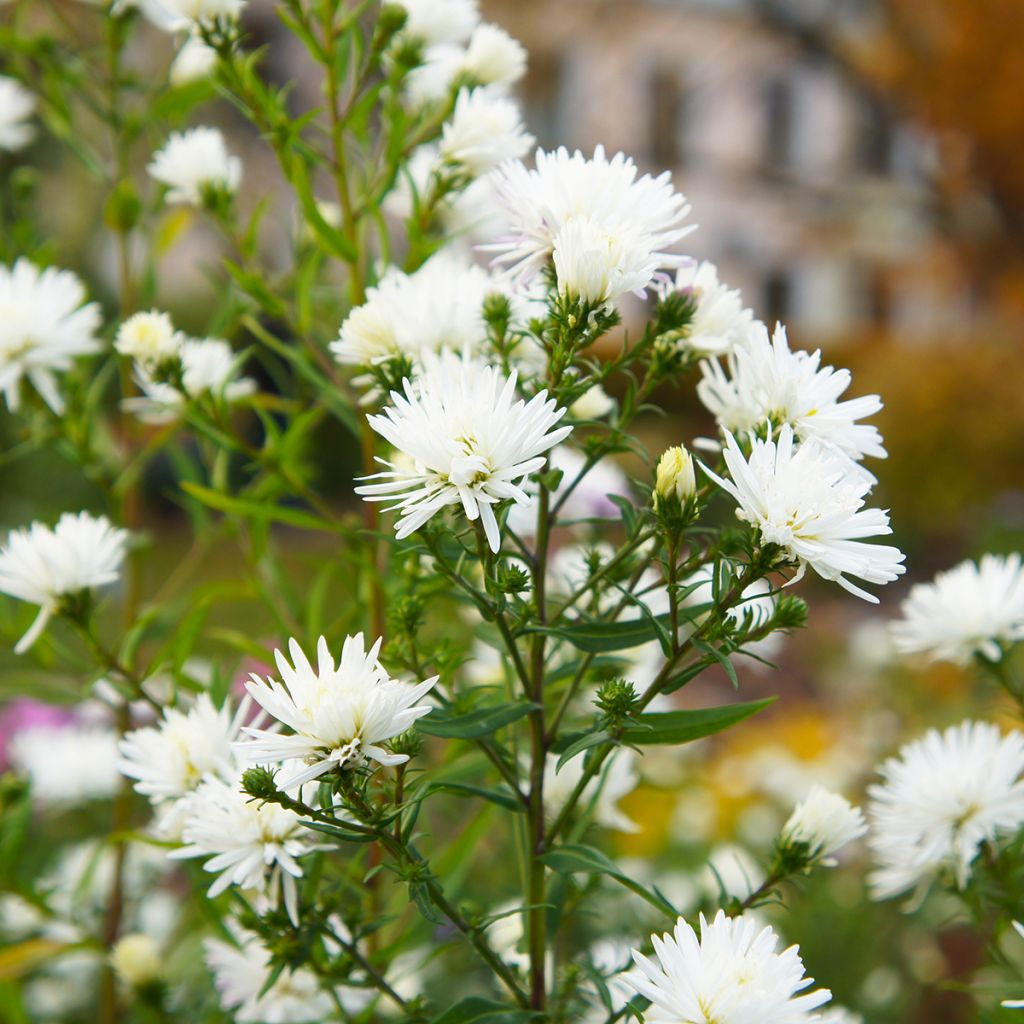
[
  {"x": 767, "y": 383},
  {"x": 45, "y": 566},
  {"x": 44, "y": 324},
  {"x": 16, "y": 107},
  {"x": 169, "y": 760},
  {"x": 150, "y": 339},
  {"x": 438, "y": 306},
  {"x": 467, "y": 441},
  {"x": 974, "y": 608},
  {"x": 940, "y": 799},
  {"x": 730, "y": 974},
  {"x": 605, "y": 229},
  {"x": 193, "y": 163},
  {"x": 485, "y": 129},
  {"x": 824, "y": 823},
  {"x": 339, "y": 715},
  {"x": 720, "y": 322},
  {"x": 805, "y": 500}
]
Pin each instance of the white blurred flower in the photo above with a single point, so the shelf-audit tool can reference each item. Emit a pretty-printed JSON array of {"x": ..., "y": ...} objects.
[
  {"x": 720, "y": 321},
  {"x": 45, "y": 566},
  {"x": 194, "y": 61},
  {"x": 617, "y": 779},
  {"x": 805, "y": 500},
  {"x": 974, "y": 608},
  {"x": 169, "y": 760},
  {"x": 136, "y": 959},
  {"x": 44, "y": 324},
  {"x": 16, "y": 107},
  {"x": 940, "y": 799},
  {"x": 248, "y": 843},
  {"x": 181, "y": 15},
  {"x": 66, "y": 765},
  {"x": 438, "y": 306},
  {"x": 208, "y": 366},
  {"x": 193, "y": 162},
  {"x": 627, "y": 225},
  {"x": 440, "y": 21},
  {"x": 472, "y": 442},
  {"x": 594, "y": 405},
  {"x": 840, "y": 1015},
  {"x": 339, "y": 714},
  {"x": 493, "y": 57},
  {"x": 767, "y": 383},
  {"x": 729, "y": 974},
  {"x": 825, "y": 822},
  {"x": 150, "y": 339},
  {"x": 241, "y": 972},
  {"x": 484, "y": 130}
]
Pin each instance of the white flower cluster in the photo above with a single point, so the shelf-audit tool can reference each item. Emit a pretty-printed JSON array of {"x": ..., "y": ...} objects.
[
  {"x": 940, "y": 799},
  {"x": 195, "y": 164},
  {"x": 48, "y": 566},
  {"x": 16, "y": 107},
  {"x": 972, "y": 609}
]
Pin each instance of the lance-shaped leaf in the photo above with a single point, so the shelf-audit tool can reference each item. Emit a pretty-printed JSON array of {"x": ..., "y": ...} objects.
[{"x": 471, "y": 725}]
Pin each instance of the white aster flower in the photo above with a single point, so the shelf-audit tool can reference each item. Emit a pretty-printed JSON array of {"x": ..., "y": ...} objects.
[
  {"x": 824, "y": 822},
  {"x": 208, "y": 367},
  {"x": 805, "y": 500},
  {"x": 46, "y": 566},
  {"x": 941, "y": 798},
  {"x": 471, "y": 441},
  {"x": 485, "y": 129},
  {"x": 629, "y": 222},
  {"x": 768, "y": 383},
  {"x": 493, "y": 57},
  {"x": 339, "y": 714},
  {"x": 44, "y": 325},
  {"x": 438, "y": 306},
  {"x": 241, "y": 973},
  {"x": 179, "y": 15},
  {"x": 193, "y": 162},
  {"x": 150, "y": 339},
  {"x": 440, "y": 21},
  {"x": 136, "y": 959},
  {"x": 194, "y": 61},
  {"x": 720, "y": 321},
  {"x": 169, "y": 760},
  {"x": 16, "y": 107},
  {"x": 66, "y": 765},
  {"x": 731, "y": 974},
  {"x": 974, "y": 608},
  {"x": 617, "y": 779},
  {"x": 248, "y": 843},
  {"x": 595, "y": 404}
]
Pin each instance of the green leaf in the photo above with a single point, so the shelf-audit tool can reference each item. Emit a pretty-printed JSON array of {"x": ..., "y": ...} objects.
[
  {"x": 580, "y": 743},
  {"x": 721, "y": 658},
  {"x": 603, "y": 637},
  {"x": 257, "y": 510},
  {"x": 502, "y": 797},
  {"x": 338, "y": 833},
  {"x": 472, "y": 725},
  {"x": 573, "y": 858},
  {"x": 476, "y": 1010},
  {"x": 662, "y": 727}
]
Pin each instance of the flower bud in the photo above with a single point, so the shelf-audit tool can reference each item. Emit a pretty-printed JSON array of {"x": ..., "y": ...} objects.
[
  {"x": 676, "y": 479},
  {"x": 136, "y": 960},
  {"x": 818, "y": 827}
]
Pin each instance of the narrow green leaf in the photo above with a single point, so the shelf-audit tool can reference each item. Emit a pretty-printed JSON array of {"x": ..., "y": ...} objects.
[
  {"x": 257, "y": 510},
  {"x": 476, "y": 1010},
  {"x": 502, "y": 796},
  {"x": 580, "y": 743},
  {"x": 603, "y": 637},
  {"x": 665, "y": 727},
  {"x": 338, "y": 833},
  {"x": 472, "y": 725}
]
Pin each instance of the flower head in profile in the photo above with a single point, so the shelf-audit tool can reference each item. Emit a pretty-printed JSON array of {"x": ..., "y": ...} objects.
[
  {"x": 16, "y": 107},
  {"x": 767, "y": 383},
  {"x": 821, "y": 825},
  {"x": 338, "y": 714},
  {"x": 195, "y": 164},
  {"x": 194, "y": 62},
  {"x": 627, "y": 225},
  {"x": 150, "y": 339},
  {"x": 805, "y": 500},
  {"x": 247, "y": 843},
  {"x": 48, "y": 567},
  {"x": 972, "y": 609},
  {"x": 730, "y": 974},
  {"x": 169, "y": 760},
  {"x": 939, "y": 800},
  {"x": 720, "y": 322},
  {"x": 493, "y": 57},
  {"x": 437, "y": 306},
  {"x": 485, "y": 129},
  {"x": 45, "y": 324},
  {"x": 469, "y": 442}
]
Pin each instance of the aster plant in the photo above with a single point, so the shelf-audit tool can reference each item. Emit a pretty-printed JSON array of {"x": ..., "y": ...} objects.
[{"x": 438, "y": 606}]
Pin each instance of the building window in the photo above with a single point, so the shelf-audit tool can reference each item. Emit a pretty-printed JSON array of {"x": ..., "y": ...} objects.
[
  {"x": 780, "y": 122},
  {"x": 666, "y": 112},
  {"x": 778, "y": 297},
  {"x": 542, "y": 96}
]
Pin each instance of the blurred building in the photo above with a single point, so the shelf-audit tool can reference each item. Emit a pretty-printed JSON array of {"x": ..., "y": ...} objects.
[{"x": 810, "y": 196}]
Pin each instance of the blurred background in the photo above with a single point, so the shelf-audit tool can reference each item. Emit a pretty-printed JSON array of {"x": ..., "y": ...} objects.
[{"x": 857, "y": 169}]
